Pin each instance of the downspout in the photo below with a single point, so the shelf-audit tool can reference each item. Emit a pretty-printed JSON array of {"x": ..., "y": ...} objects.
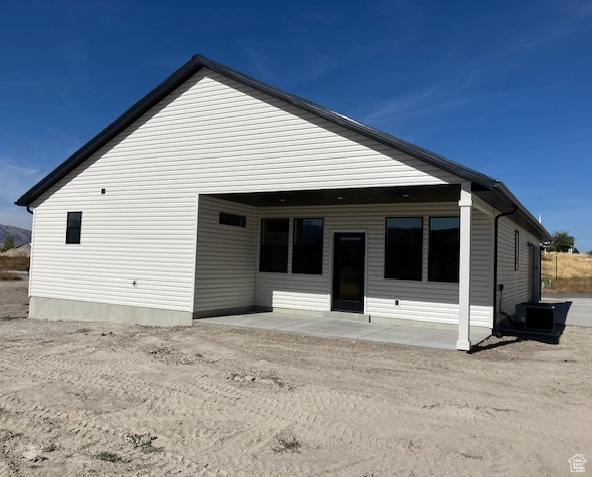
[
  {"x": 540, "y": 277},
  {"x": 29, "y": 210},
  {"x": 495, "y": 246}
]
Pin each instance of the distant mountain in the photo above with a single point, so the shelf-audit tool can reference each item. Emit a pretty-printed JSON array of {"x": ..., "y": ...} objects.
[{"x": 21, "y": 236}]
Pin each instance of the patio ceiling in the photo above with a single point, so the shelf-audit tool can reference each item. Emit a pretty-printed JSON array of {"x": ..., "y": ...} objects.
[
  {"x": 370, "y": 195},
  {"x": 499, "y": 198}
]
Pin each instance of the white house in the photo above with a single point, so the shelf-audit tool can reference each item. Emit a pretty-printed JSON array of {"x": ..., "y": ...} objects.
[{"x": 216, "y": 194}]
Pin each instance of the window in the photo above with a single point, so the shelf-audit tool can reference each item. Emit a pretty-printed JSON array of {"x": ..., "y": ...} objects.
[
  {"x": 307, "y": 252},
  {"x": 73, "y": 227},
  {"x": 236, "y": 220},
  {"x": 444, "y": 249},
  {"x": 516, "y": 250},
  {"x": 403, "y": 248},
  {"x": 273, "y": 254}
]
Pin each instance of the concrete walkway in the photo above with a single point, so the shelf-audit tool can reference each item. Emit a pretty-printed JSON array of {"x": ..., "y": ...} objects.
[{"x": 430, "y": 335}]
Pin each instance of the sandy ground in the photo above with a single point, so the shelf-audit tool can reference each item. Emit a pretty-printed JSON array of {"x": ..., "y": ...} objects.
[{"x": 81, "y": 399}]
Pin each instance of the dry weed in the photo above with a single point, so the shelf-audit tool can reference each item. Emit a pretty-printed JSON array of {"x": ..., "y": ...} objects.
[
  {"x": 286, "y": 442},
  {"x": 566, "y": 272},
  {"x": 566, "y": 265},
  {"x": 14, "y": 263}
]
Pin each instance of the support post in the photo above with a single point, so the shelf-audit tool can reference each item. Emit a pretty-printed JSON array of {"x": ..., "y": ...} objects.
[{"x": 464, "y": 276}]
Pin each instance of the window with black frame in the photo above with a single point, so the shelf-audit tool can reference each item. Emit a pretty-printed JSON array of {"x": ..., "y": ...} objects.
[
  {"x": 273, "y": 252},
  {"x": 232, "y": 219},
  {"x": 403, "y": 248},
  {"x": 73, "y": 227},
  {"x": 444, "y": 249},
  {"x": 307, "y": 250}
]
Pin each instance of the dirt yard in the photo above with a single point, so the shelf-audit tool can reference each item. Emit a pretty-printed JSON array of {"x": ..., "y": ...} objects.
[{"x": 97, "y": 399}]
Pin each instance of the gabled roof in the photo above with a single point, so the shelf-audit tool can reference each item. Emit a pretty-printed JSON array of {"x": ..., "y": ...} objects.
[{"x": 501, "y": 199}]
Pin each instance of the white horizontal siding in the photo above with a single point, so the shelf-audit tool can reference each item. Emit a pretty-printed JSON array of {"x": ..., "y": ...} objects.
[
  {"x": 211, "y": 135},
  {"x": 226, "y": 258},
  {"x": 481, "y": 297},
  {"x": 515, "y": 282},
  {"x": 426, "y": 301},
  {"x": 124, "y": 240}
]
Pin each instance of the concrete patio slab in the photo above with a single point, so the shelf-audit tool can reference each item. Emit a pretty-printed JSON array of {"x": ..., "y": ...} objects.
[
  {"x": 265, "y": 320},
  {"x": 421, "y": 334},
  {"x": 336, "y": 327}
]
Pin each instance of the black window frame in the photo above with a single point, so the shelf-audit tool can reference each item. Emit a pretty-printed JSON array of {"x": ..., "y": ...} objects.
[
  {"x": 233, "y": 220},
  {"x": 73, "y": 230},
  {"x": 273, "y": 257},
  {"x": 307, "y": 258},
  {"x": 397, "y": 253},
  {"x": 443, "y": 262}
]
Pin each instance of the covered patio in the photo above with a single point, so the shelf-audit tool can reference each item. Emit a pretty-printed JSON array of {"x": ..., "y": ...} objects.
[
  {"x": 405, "y": 332},
  {"x": 425, "y": 310}
]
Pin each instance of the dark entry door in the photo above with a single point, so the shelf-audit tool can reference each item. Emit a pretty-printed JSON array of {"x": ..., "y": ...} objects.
[{"x": 348, "y": 272}]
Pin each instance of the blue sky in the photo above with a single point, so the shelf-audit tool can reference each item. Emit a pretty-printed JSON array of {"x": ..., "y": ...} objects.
[{"x": 503, "y": 87}]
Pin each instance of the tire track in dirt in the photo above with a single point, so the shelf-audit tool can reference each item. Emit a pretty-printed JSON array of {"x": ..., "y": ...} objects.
[
  {"x": 400, "y": 413},
  {"x": 86, "y": 428},
  {"x": 214, "y": 399},
  {"x": 210, "y": 397}
]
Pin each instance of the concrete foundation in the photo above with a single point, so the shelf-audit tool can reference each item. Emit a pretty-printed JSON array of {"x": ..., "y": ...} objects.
[{"x": 70, "y": 310}]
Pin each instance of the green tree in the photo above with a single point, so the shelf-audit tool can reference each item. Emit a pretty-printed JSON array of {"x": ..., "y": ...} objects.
[
  {"x": 561, "y": 242},
  {"x": 8, "y": 243}
]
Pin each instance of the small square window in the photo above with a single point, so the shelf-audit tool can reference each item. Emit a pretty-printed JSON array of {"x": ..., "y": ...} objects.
[{"x": 73, "y": 227}]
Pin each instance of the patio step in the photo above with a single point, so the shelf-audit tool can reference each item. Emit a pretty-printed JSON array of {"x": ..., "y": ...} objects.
[{"x": 345, "y": 316}]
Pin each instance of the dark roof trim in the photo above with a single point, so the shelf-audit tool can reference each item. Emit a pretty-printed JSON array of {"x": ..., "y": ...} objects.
[{"x": 198, "y": 62}]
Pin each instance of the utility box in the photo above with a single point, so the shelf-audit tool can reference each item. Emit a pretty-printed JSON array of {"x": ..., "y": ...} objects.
[{"x": 536, "y": 316}]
